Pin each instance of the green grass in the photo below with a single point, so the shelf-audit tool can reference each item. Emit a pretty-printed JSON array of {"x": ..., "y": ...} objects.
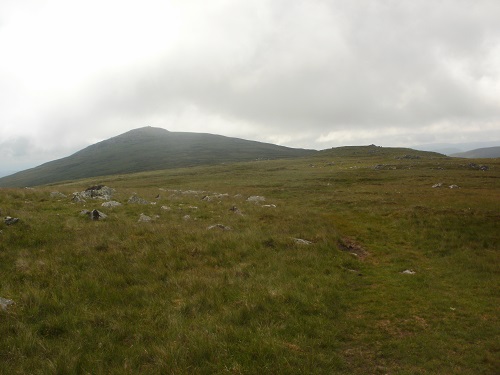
[{"x": 170, "y": 296}]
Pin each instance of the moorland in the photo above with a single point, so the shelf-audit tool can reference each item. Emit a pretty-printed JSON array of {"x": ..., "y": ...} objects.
[{"x": 356, "y": 260}]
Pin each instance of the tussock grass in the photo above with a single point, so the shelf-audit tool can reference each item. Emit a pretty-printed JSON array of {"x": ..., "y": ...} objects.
[{"x": 170, "y": 296}]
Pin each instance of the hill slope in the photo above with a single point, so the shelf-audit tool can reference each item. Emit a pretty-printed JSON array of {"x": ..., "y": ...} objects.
[
  {"x": 147, "y": 149},
  {"x": 487, "y": 152}
]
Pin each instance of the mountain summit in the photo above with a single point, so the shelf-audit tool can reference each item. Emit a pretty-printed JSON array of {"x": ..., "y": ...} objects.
[{"x": 147, "y": 149}]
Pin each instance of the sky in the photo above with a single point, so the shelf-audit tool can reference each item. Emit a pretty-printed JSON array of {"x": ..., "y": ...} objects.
[{"x": 300, "y": 73}]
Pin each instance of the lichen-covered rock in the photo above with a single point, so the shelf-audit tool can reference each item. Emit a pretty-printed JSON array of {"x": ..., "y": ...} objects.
[
  {"x": 137, "y": 200},
  {"x": 111, "y": 204}
]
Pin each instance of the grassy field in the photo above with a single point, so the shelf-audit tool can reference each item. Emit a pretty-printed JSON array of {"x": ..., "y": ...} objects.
[{"x": 118, "y": 296}]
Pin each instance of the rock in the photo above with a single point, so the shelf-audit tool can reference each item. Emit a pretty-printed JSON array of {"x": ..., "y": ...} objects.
[
  {"x": 144, "y": 219},
  {"x": 269, "y": 205},
  {"x": 219, "y": 226},
  {"x": 77, "y": 198},
  {"x": 56, "y": 194},
  {"x": 453, "y": 186},
  {"x": 186, "y": 217},
  {"x": 96, "y": 215},
  {"x": 136, "y": 200},
  {"x": 98, "y": 191},
  {"x": 10, "y": 220},
  {"x": 206, "y": 198},
  {"x": 300, "y": 241},
  {"x": 111, "y": 204},
  {"x": 438, "y": 185},
  {"x": 4, "y": 303},
  {"x": 166, "y": 208},
  {"x": 235, "y": 210},
  {"x": 256, "y": 199},
  {"x": 408, "y": 272}
]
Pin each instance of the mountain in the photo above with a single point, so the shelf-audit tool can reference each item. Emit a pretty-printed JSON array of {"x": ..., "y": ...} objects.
[
  {"x": 453, "y": 148},
  {"x": 147, "y": 149},
  {"x": 487, "y": 152}
]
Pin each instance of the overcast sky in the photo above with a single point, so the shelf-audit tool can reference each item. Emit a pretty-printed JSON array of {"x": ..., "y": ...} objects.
[{"x": 311, "y": 73}]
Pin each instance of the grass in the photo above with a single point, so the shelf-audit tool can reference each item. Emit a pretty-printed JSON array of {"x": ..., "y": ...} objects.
[{"x": 171, "y": 296}]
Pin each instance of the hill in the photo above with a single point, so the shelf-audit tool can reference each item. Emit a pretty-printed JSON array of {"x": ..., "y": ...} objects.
[
  {"x": 356, "y": 260},
  {"x": 487, "y": 152},
  {"x": 147, "y": 149}
]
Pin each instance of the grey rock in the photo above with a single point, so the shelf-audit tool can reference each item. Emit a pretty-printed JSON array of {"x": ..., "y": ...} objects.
[
  {"x": 256, "y": 199},
  {"x": 10, "y": 220},
  {"x": 56, "y": 194},
  {"x": 144, "y": 218},
  {"x": 300, "y": 241},
  {"x": 4, "y": 303},
  {"x": 438, "y": 185},
  {"x": 98, "y": 191},
  {"x": 453, "y": 186},
  {"x": 408, "y": 272},
  {"x": 136, "y": 200},
  {"x": 78, "y": 198},
  {"x": 96, "y": 215},
  {"x": 111, "y": 204},
  {"x": 166, "y": 208},
  {"x": 186, "y": 217},
  {"x": 219, "y": 226}
]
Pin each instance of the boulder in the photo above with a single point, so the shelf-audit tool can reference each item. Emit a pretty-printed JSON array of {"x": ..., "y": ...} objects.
[{"x": 137, "y": 200}]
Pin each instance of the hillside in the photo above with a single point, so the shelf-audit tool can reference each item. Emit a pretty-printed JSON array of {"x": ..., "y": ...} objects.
[
  {"x": 147, "y": 149},
  {"x": 480, "y": 153},
  {"x": 356, "y": 260}
]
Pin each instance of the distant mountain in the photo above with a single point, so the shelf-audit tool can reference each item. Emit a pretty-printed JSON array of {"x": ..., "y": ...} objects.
[
  {"x": 147, "y": 149},
  {"x": 453, "y": 148},
  {"x": 487, "y": 152}
]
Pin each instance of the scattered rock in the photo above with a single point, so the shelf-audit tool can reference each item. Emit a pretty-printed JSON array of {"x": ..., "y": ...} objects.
[
  {"x": 479, "y": 167},
  {"x": 56, "y": 194},
  {"x": 235, "y": 210},
  {"x": 186, "y": 217},
  {"x": 206, "y": 198},
  {"x": 4, "y": 303},
  {"x": 219, "y": 226},
  {"x": 96, "y": 215},
  {"x": 77, "y": 198},
  {"x": 111, "y": 204},
  {"x": 98, "y": 191},
  {"x": 269, "y": 205},
  {"x": 438, "y": 185},
  {"x": 408, "y": 272},
  {"x": 256, "y": 199},
  {"x": 453, "y": 186},
  {"x": 135, "y": 199},
  {"x": 144, "y": 218},
  {"x": 166, "y": 208},
  {"x": 10, "y": 220},
  {"x": 300, "y": 241}
]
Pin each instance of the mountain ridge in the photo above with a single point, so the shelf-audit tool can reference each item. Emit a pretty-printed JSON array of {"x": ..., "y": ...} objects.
[{"x": 146, "y": 149}]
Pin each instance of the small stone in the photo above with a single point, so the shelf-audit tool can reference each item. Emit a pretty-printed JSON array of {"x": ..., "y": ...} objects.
[
  {"x": 186, "y": 217},
  {"x": 256, "y": 199},
  {"x": 408, "y": 272},
  {"x": 96, "y": 215},
  {"x": 144, "y": 218},
  {"x": 218, "y": 226},
  {"x": 300, "y": 241},
  {"x": 56, "y": 194},
  {"x": 438, "y": 185},
  {"x": 453, "y": 186},
  {"x": 269, "y": 205},
  {"x": 10, "y": 220},
  {"x": 166, "y": 208},
  {"x": 4, "y": 303}
]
